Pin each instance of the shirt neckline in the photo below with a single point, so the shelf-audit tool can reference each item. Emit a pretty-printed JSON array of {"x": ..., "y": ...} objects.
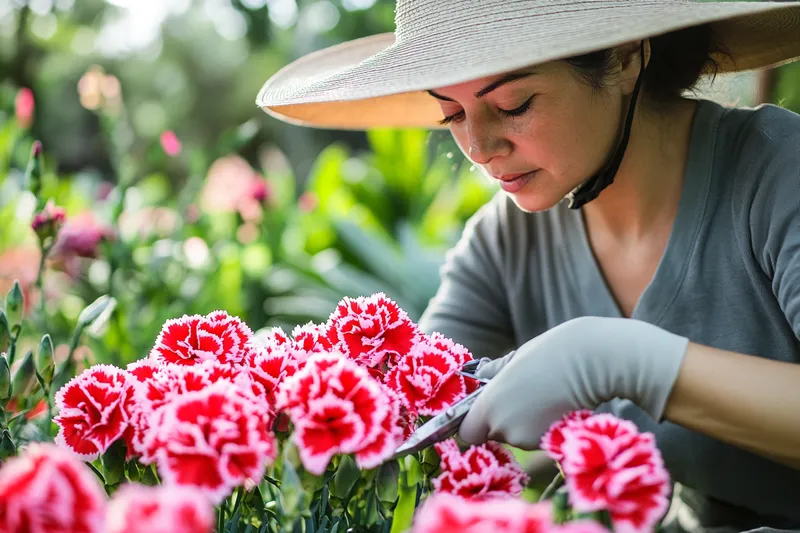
[{"x": 662, "y": 290}]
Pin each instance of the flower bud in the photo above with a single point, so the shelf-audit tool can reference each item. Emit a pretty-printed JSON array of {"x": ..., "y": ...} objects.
[
  {"x": 33, "y": 172},
  {"x": 15, "y": 302},
  {"x": 48, "y": 222},
  {"x": 5, "y": 378},
  {"x": 45, "y": 361},
  {"x": 94, "y": 310}
]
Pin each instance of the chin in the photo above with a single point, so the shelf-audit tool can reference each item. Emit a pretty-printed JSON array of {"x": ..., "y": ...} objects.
[{"x": 533, "y": 202}]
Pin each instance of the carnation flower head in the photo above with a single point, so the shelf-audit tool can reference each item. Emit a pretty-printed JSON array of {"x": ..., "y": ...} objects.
[
  {"x": 448, "y": 513},
  {"x": 214, "y": 439},
  {"x": 371, "y": 330},
  {"x": 609, "y": 465},
  {"x": 46, "y": 489},
  {"x": 312, "y": 338},
  {"x": 428, "y": 379},
  {"x": 554, "y": 437},
  {"x": 141, "y": 509},
  {"x": 95, "y": 409},
  {"x": 337, "y": 408},
  {"x": 190, "y": 340},
  {"x": 485, "y": 471}
]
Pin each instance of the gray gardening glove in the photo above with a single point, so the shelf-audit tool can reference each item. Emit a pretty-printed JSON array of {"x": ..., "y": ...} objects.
[{"x": 579, "y": 364}]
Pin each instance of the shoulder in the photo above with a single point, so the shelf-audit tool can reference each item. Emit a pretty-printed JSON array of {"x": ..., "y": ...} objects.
[
  {"x": 761, "y": 155},
  {"x": 761, "y": 136}
]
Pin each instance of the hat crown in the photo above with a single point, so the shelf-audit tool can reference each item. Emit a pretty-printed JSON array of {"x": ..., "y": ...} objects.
[{"x": 414, "y": 18}]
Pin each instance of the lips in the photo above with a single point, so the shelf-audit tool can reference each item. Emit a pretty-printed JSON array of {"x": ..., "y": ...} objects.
[
  {"x": 512, "y": 183},
  {"x": 511, "y": 177}
]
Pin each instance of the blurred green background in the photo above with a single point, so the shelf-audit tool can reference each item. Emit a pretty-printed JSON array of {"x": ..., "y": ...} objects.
[{"x": 271, "y": 222}]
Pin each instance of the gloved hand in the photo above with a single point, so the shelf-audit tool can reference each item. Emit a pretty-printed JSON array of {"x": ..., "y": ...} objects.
[{"x": 579, "y": 364}]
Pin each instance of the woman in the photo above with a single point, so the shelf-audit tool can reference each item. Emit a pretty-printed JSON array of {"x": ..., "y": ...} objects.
[{"x": 666, "y": 289}]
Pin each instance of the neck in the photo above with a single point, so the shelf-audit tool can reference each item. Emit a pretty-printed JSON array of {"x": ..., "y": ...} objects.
[{"x": 646, "y": 189}]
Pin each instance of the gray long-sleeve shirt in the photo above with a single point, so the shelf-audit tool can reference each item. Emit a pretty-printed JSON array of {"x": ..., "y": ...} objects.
[{"x": 729, "y": 278}]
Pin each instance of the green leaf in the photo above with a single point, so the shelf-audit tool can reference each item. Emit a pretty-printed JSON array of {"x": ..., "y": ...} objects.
[
  {"x": 7, "y": 446},
  {"x": 113, "y": 462},
  {"x": 387, "y": 481},
  {"x": 291, "y": 493},
  {"x": 347, "y": 475}
]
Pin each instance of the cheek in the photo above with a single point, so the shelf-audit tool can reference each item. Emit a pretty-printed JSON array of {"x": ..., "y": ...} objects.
[{"x": 572, "y": 138}]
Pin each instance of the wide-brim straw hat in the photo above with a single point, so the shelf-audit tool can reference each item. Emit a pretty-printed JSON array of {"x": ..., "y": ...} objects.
[{"x": 381, "y": 81}]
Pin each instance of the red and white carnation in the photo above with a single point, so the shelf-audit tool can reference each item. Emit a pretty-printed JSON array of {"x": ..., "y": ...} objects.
[
  {"x": 371, "y": 330},
  {"x": 95, "y": 409},
  {"x": 189, "y": 340},
  {"x": 141, "y": 509},
  {"x": 337, "y": 408},
  {"x": 552, "y": 440},
  {"x": 609, "y": 465},
  {"x": 311, "y": 338},
  {"x": 448, "y": 513},
  {"x": 214, "y": 439},
  {"x": 48, "y": 490},
  {"x": 428, "y": 378},
  {"x": 485, "y": 471}
]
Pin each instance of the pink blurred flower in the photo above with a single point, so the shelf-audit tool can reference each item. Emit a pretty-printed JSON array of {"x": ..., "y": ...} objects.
[
  {"x": 95, "y": 409},
  {"x": 609, "y": 465},
  {"x": 307, "y": 202},
  {"x": 24, "y": 106},
  {"x": 233, "y": 185},
  {"x": 448, "y": 513},
  {"x": 48, "y": 490},
  {"x": 141, "y": 509},
  {"x": 259, "y": 190},
  {"x": 170, "y": 143},
  {"x": 81, "y": 236},
  {"x": 485, "y": 471},
  {"x": 22, "y": 264}
]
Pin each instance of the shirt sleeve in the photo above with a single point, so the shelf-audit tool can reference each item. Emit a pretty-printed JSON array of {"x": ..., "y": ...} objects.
[
  {"x": 774, "y": 211},
  {"x": 471, "y": 304}
]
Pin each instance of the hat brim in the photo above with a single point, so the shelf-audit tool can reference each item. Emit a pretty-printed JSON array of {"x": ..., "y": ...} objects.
[{"x": 381, "y": 81}]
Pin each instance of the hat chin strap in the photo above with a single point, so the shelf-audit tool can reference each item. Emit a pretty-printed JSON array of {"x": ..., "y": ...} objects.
[{"x": 591, "y": 188}]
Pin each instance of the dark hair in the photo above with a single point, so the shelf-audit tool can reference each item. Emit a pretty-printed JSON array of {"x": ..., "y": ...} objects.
[{"x": 677, "y": 61}]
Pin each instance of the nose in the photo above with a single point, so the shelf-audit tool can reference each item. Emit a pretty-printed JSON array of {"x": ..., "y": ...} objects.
[{"x": 485, "y": 143}]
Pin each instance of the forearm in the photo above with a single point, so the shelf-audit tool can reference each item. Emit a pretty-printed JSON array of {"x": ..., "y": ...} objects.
[{"x": 747, "y": 401}]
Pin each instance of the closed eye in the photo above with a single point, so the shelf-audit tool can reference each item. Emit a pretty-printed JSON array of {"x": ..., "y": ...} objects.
[{"x": 517, "y": 111}]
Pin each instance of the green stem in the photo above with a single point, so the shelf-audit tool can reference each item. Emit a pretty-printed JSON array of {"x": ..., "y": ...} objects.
[
  {"x": 551, "y": 489},
  {"x": 404, "y": 512},
  {"x": 40, "y": 283}
]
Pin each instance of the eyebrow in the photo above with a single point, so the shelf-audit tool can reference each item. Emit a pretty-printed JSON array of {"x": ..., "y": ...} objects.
[{"x": 508, "y": 78}]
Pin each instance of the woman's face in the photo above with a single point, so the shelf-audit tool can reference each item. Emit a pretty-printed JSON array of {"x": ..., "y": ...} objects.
[{"x": 540, "y": 131}]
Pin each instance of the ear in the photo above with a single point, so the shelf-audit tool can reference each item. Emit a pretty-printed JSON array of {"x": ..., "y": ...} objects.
[{"x": 629, "y": 56}]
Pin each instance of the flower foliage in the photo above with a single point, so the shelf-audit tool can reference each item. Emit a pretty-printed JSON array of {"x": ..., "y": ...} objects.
[{"x": 216, "y": 410}]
